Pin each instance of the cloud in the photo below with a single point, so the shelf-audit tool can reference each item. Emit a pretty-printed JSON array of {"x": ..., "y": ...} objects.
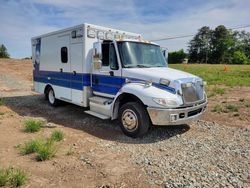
[{"x": 22, "y": 20}]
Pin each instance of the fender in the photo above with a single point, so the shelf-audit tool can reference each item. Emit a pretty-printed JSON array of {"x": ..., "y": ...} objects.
[{"x": 144, "y": 92}]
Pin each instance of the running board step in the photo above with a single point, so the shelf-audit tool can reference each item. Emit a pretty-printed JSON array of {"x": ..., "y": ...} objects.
[
  {"x": 100, "y": 100},
  {"x": 101, "y": 116}
]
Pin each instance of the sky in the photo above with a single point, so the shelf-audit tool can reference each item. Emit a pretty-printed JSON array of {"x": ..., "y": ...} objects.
[{"x": 22, "y": 19}]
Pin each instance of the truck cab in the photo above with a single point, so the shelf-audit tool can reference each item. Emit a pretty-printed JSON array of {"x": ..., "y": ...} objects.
[
  {"x": 118, "y": 76},
  {"x": 144, "y": 90}
]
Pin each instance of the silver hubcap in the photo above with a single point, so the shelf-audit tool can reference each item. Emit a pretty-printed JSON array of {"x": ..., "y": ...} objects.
[
  {"x": 51, "y": 96},
  {"x": 129, "y": 120}
]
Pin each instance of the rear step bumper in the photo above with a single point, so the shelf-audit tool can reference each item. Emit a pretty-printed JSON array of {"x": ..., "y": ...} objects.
[{"x": 179, "y": 116}]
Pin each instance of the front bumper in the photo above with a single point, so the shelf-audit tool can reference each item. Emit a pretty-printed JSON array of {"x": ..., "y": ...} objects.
[{"x": 176, "y": 116}]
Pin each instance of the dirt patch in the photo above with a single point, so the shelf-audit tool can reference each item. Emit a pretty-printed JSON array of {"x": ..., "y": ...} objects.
[
  {"x": 89, "y": 164},
  {"x": 15, "y": 77},
  {"x": 238, "y": 97}
]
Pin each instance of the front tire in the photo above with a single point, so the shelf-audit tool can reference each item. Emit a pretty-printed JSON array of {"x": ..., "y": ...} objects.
[
  {"x": 134, "y": 119},
  {"x": 51, "y": 97}
]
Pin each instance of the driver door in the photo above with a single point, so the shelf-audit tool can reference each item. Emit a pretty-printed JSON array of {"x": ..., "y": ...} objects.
[{"x": 107, "y": 80}]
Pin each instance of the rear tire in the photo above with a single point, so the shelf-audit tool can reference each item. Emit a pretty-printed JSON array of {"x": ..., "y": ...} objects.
[
  {"x": 51, "y": 97},
  {"x": 134, "y": 119}
]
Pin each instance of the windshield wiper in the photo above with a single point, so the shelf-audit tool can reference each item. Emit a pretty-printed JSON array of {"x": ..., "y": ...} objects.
[
  {"x": 142, "y": 66},
  {"x": 159, "y": 66},
  {"x": 134, "y": 66}
]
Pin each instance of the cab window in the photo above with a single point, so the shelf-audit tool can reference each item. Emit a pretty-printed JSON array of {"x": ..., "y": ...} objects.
[
  {"x": 109, "y": 57},
  {"x": 105, "y": 54}
]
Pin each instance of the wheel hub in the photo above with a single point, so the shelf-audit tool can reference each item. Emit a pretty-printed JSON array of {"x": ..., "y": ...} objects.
[{"x": 129, "y": 120}]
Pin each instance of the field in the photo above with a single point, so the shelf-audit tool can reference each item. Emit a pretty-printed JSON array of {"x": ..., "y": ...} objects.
[
  {"x": 225, "y": 75},
  {"x": 64, "y": 147}
]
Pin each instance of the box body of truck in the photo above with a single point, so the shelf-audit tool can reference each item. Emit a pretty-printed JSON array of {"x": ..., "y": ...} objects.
[{"x": 116, "y": 74}]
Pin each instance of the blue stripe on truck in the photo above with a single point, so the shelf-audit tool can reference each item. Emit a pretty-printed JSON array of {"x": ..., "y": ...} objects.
[{"x": 101, "y": 83}]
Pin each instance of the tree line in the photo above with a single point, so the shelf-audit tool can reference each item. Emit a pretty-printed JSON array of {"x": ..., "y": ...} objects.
[{"x": 218, "y": 46}]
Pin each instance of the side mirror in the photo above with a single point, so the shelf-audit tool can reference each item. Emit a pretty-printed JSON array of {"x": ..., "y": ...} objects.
[
  {"x": 97, "y": 55},
  {"x": 165, "y": 53}
]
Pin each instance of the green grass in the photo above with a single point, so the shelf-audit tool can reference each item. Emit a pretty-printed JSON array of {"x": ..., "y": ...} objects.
[
  {"x": 2, "y": 102},
  {"x": 3, "y": 177},
  {"x": 16, "y": 177},
  {"x": 12, "y": 177},
  {"x": 215, "y": 91},
  {"x": 1, "y": 113},
  {"x": 218, "y": 108},
  {"x": 31, "y": 125},
  {"x": 210, "y": 94},
  {"x": 241, "y": 99},
  {"x": 237, "y": 75},
  {"x": 31, "y": 146},
  {"x": 57, "y": 135},
  {"x": 232, "y": 108},
  {"x": 225, "y": 109},
  {"x": 218, "y": 90},
  {"x": 247, "y": 105},
  {"x": 46, "y": 151}
]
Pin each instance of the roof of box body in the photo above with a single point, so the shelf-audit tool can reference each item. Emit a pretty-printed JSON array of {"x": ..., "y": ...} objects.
[{"x": 87, "y": 25}]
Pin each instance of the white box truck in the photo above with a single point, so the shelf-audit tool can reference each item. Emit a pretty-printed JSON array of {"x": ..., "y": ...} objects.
[{"x": 116, "y": 74}]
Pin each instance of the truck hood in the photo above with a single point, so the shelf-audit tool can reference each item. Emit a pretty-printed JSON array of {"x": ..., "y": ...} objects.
[{"x": 154, "y": 74}]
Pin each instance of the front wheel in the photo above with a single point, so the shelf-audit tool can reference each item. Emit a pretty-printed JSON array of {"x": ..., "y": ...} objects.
[{"x": 134, "y": 120}]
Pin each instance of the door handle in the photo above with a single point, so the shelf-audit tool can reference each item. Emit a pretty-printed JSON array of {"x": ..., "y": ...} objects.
[
  {"x": 111, "y": 73},
  {"x": 103, "y": 71},
  {"x": 74, "y": 73},
  {"x": 61, "y": 70}
]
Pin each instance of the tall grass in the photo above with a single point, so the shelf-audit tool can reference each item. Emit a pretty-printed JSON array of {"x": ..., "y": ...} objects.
[
  {"x": 57, "y": 135},
  {"x": 46, "y": 151},
  {"x": 12, "y": 177},
  {"x": 16, "y": 177},
  {"x": 31, "y": 125},
  {"x": 31, "y": 146},
  {"x": 3, "y": 177},
  {"x": 225, "y": 109}
]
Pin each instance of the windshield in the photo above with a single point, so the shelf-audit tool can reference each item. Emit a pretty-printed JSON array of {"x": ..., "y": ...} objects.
[{"x": 134, "y": 54}]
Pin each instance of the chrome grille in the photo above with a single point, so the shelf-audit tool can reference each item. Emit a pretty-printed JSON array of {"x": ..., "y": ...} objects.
[{"x": 193, "y": 92}]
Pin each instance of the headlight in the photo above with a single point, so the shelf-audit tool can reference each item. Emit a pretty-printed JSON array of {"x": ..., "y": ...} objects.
[
  {"x": 164, "y": 82},
  {"x": 185, "y": 85},
  {"x": 166, "y": 102},
  {"x": 204, "y": 83}
]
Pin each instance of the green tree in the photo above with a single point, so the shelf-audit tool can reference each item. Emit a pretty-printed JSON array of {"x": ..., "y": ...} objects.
[
  {"x": 176, "y": 57},
  {"x": 199, "y": 46},
  {"x": 4, "y": 52},
  {"x": 222, "y": 43},
  {"x": 243, "y": 42},
  {"x": 239, "y": 57}
]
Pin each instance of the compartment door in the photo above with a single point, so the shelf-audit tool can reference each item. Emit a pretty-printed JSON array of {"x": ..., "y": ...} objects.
[{"x": 76, "y": 68}]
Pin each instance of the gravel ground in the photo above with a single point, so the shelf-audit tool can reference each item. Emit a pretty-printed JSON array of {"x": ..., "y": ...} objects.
[{"x": 203, "y": 155}]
